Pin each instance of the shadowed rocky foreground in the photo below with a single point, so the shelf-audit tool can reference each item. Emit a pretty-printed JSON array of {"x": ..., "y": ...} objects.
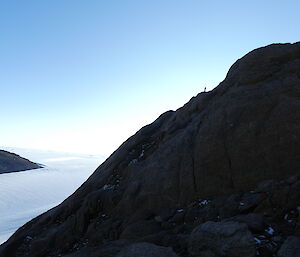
[
  {"x": 10, "y": 162},
  {"x": 218, "y": 177}
]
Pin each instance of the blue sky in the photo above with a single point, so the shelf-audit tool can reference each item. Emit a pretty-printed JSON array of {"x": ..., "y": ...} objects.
[{"x": 83, "y": 76}]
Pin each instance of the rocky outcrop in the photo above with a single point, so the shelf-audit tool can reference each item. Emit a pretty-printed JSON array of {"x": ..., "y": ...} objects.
[
  {"x": 10, "y": 162},
  {"x": 226, "y": 238},
  {"x": 200, "y": 163},
  {"x": 290, "y": 247},
  {"x": 146, "y": 250}
]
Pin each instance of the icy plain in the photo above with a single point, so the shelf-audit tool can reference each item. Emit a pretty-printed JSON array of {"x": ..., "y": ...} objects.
[{"x": 24, "y": 195}]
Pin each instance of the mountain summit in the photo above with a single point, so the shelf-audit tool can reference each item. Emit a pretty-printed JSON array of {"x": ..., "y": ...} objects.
[{"x": 189, "y": 180}]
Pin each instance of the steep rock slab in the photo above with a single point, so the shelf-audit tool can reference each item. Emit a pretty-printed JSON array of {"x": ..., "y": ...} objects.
[{"x": 221, "y": 142}]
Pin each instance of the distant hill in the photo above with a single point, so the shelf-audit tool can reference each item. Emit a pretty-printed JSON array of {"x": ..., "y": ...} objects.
[{"x": 10, "y": 162}]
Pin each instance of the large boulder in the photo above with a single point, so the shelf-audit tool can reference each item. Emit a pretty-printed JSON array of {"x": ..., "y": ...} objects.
[
  {"x": 217, "y": 239},
  {"x": 290, "y": 247},
  {"x": 11, "y": 162},
  {"x": 146, "y": 250},
  {"x": 254, "y": 221},
  {"x": 221, "y": 142}
]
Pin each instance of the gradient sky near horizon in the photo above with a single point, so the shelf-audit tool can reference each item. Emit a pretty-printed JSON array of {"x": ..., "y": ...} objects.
[{"x": 82, "y": 76}]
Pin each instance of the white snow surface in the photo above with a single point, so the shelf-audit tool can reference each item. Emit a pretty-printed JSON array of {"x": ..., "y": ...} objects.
[
  {"x": 270, "y": 231},
  {"x": 24, "y": 195}
]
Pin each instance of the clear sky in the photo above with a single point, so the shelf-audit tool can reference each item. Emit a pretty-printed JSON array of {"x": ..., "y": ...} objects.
[{"x": 83, "y": 76}]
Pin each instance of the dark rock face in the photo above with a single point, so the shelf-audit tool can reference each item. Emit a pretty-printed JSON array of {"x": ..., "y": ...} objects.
[
  {"x": 218, "y": 146},
  {"x": 146, "y": 250},
  {"x": 290, "y": 247},
  {"x": 227, "y": 238},
  {"x": 10, "y": 162}
]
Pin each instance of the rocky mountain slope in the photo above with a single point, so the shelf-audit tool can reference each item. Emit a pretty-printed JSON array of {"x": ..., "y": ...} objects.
[
  {"x": 218, "y": 177},
  {"x": 10, "y": 162}
]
